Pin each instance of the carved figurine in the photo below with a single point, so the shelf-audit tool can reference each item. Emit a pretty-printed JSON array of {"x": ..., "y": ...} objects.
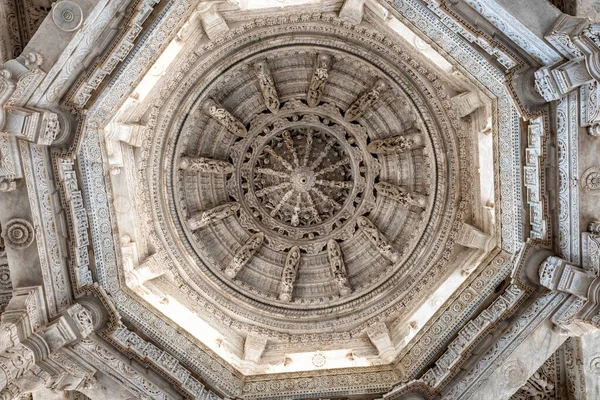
[
  {"x": 225, "y": 119},
  {"x": 396, "y": 144},
  {"x": 319, "y": 78},
  {"x": 365, "y": 101},
  {"x": 244, "y": 254},
  {"x": 267, "y": 86},
  {"x": 398, "y": 194},
  {"x": 338, "y": 268},
  {"x": 202, "y": 164},
  {"x": 377, "y": 238},
  {"x": 288, "y": 276},
  {"x": 203, "y": 218}
]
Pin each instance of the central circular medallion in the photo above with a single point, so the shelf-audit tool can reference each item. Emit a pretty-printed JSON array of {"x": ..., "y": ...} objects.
[{"x": 302, "y": 176}]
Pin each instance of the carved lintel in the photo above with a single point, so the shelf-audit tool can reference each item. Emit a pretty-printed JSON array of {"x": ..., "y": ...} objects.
[
  {"x": 352, "y": 11},
  {"x": 400, "y": 195},
  {"x": 338, "y": 268},
  {"x": 318, "y": 80},
  {"x": 203, "y": 164},
  {"x": 288, "y": 276},
  {"x": 244, "y": 254},
  {"x": 378, "y": 239},
  {"x": 365, "y": 101},
  {"x": 412, "y": 139},
  {"x": 224, "y": 117},
  {"x": 267, "y": 86},
  {"x": 203, "y": 218}
]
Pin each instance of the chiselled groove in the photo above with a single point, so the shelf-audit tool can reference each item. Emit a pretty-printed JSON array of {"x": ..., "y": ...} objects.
[
  {"x": 201, "y": 219},
  {"x": 412, "y": 139},
  {"x": 318, "y": 80},
  {"x": 225, "y": 118},
  {"x": 288, "y": 277},
  {"x": 365, "y": 101},
  {"x": 400, "y": 195},
  {"x": 203, "y": 164},
  {"x": 244, "y": 254},
  {"x": 378, "y": 239},
  {"x": 338, "y": 268},
  {"x": 267, "y": 86}
]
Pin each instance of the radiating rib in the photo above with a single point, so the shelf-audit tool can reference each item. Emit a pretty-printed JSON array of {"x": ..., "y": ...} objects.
[
  {"x": 321, "y": 156},
  {"x": 296, "y": 216},
  {"x": 307, "y": 148},
  {"x": 333, "y": 167},
  {"x": 272, "y": 172},
  {"x": 289, "y": 143},
  {"x": 313, "y": 210},
  {"x": 272, "y": 152},
  {"x": 283, "y": 200},
  {"x": 326, "y": 198},
  {"x": 271, "y": 189},
  {"x": 335, "y": 184}
]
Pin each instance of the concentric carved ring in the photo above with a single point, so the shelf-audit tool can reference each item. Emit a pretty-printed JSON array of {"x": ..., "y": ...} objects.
[{"x": 18, "y": 233}]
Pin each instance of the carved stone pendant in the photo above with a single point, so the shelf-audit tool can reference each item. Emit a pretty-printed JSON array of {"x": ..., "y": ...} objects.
[
  {"x": 224, "y": 117},
  {"x": 377, "y": 238},
  {"x": 288, "y": 277},
  {"x": 365, "y": 101},
  {"x": 244, "y": 254},
  {"x": 338, "y": 268},
  {"x": 203, "y": 218},
  {"x": 202, "y": 164},
  {"x": 267, "y": 86},
  {"x": 319, "y": 78}
]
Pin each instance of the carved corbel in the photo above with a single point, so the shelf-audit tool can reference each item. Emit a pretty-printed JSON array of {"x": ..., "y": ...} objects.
[
  {"x": 469, "y": 236},
  {"x": 201, "y": 219},
  {"x": 267, "y": 86},
  {"x": 225, "y": 118},
  {"x": 466, "y": 103},
  {"x": 116, "y": 135},
  {"x": 318, "y": 80},
  {"x": 254, "y": 346},
  {"x": 365, "y": 101},
  {"x": 352, "y": 11},
  {"x": 380, "y": 337},
  {"x": 411, "y": 139},
  {"x": 136, "y": 273},
  {"x": 244, "y": 254}
]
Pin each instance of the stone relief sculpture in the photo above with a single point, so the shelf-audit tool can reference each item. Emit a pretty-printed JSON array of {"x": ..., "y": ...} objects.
[
  {"x": 338, "y": 269},
  {"x": 288, "y": 277},
  {"x": 377, "y": 238},
  {"x": 224, "y": 117},
  {"x": 318, "y": 80},
  {"x": 244, "y": 254},
  {"x": 267, "y": 86},
  {"x": 365, "y": 101},
  {"x": 400, "y": 195},
  {"x": 201, "y": 219},
  {"x": 203, "y": 164}
]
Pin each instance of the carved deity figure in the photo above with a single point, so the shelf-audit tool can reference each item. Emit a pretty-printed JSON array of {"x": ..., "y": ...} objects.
[
  {"x": 377, "y": 238},
  {"x": 225, "y": 119},
  {"x": 244, "y": 254},
  {"x": 365, "y": 101},
  {"x": 288, "y": 277},
  {"x": 267, "y": 86},
  {"x": 319, "y": 78},
  {"x": 203, "y": 164},
  {"x": 398, "y": 194},
  {"x": 338, "y": 268},
  {"x": 203, "y": 218},
  {"x": 396, "y": 144}
]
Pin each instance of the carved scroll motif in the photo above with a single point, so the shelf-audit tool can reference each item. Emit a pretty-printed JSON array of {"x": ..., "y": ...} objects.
[
  {"x": 204, "y": 218},
  {"x": 267, "y": 86},
  {"x": 396, "y": 144},
  {"x": 244, "y": 254},
  {"x": 365, "y": 101},
  {"x": 290, "y": 269},
  {"x": 377, "y": 238},
  {"x": 338, "y": 268},
  {"x": 202, "y": 164},
  {"x": 400, "y": 195},
  {"x": 224, "y": 117},
  {"x": 319, "y": 78}
]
